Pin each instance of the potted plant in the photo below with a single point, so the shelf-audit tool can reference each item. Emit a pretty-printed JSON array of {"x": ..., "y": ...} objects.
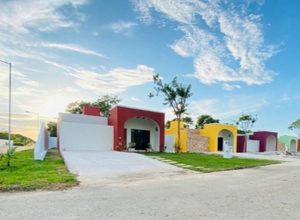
[
  {"x": 149, "y": 148},
  {"x": 131, "y": 146}
]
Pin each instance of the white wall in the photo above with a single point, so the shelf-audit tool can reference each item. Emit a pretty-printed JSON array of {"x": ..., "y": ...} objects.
[
  {"x": 4, "y": 142},
  {"x": 52, "y": 142},
  {"x": 271, "y": 143},
  {"x": 225, "y": 134},
  {"x": 253, "y": 146},
  {"x": 293, "y": 146},
  {"x": 84, "y": 133},
  {"x": 169, "y": 143},
  {"x": 85, "y": 137},
  {"x": 144, "y": 124},
  {"x": 40, "y": 145}
]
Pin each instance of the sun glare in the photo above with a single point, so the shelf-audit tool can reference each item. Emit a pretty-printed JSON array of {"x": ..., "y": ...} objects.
[{"x": 54, "y": 105}]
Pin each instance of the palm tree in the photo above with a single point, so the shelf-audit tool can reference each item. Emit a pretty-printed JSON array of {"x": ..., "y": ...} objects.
[{"x": 175, "y": 96}]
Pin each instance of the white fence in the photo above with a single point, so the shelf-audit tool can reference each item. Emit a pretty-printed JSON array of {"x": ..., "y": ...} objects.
[
  {"x": 169, "y": 143},
  {"x": 52, "y": 142},
  {"x": 252, "y": 146},
  {"x": 44, "y": 142}
]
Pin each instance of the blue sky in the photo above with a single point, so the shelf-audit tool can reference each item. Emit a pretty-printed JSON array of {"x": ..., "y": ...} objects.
[{"x": 239, "y": 56}]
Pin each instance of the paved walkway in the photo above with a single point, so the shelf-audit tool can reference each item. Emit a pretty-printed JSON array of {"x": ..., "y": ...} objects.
[
  {"x": 110, "y": 166},
  {"x": 3, "y": 149}
]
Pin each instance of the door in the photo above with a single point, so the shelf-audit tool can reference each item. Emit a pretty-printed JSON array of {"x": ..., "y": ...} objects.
[
  {"x": 220, "y": 144},
  {"x": 141, "y": 138}
]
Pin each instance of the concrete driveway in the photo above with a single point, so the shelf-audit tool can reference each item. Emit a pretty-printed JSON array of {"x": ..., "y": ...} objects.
[
  {"x": 264, "y": 193},
  {"x": 94, "y": 167}
]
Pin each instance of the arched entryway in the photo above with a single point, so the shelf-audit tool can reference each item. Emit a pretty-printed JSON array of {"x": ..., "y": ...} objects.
[
  {"x": 121, "y": 115},
  {"x": 271, "y": 143},
  {"x": 143, "y": 132},
  {"x": 225, "y": 135},
  {"x": 293, "y": 146}
]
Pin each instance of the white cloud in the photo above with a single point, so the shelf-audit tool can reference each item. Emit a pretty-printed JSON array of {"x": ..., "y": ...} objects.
[
  {"x": 226, "y": 42},
  {"x": 71, "y": 90},
  {"x": 227, "y": 108},
  {"x": 122, "y": 27},
  {"x": 22, "y": 78},
  {"x": 71, "y": 47},
  {"x": 23, "y": 15},
  {"x": 135, "y": 99},
  {"x": 115, "y": 81},
  {"x": 229, "y": 87}
]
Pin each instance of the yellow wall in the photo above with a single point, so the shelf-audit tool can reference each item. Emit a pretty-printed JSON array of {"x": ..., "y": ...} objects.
[
  {"x": 183, "y": 134},
  {"x": 213, "y": 130}
]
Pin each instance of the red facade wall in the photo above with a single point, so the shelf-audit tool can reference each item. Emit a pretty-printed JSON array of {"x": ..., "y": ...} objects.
[
  {"x": 298, "y": 144},
  {"x": 119, "y": 115},
  {"x": 90, "y": 110},
  {"x": 240, "y": 144}
]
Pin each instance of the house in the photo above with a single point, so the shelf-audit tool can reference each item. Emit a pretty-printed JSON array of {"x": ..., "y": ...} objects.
[
  {"x": 92, "y": 132},
  {"x": 290, "y": 142},
  {"x": 211, "y": 138},
  {"x": 268, "y": 140},
  {"x": 218, "y": 134},
  {"x": 142, "y": 127}
]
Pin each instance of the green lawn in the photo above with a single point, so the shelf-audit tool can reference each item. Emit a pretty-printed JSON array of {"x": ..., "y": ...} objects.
[
  {"x": 28, "y": 174},
  {"x": 211, "y": 163}
]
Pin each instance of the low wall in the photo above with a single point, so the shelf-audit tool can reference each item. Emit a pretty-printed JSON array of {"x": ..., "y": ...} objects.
[
  {"x": 196, "y": 142},
  {"x": 280, "y": 147},
  {"x": 52, "y": 142},
  {"x": 42, "y": 143}
]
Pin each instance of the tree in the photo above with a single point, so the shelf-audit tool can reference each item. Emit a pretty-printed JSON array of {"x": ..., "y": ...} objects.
[
  {"x": 175, "y": 96},
  {"x": 52, "y": 128},
  {"x": 205, "y": 119},
  {"x": 188, "y": 121},
  {"x": 295, "y": 126},
  {"x": 105, "y": 103},
  {"x": 77, "y": 107},
  {"x": 245, "y": 124}
]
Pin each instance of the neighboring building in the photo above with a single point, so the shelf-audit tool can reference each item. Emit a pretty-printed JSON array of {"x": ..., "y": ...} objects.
[
  {"x": 211, "y": 138},
  {"x": 91, "y": 132},
  {"x": 268, "y": 140},
  {"x": 290, "y": 142},
  {"x": 218, "y": 134}
]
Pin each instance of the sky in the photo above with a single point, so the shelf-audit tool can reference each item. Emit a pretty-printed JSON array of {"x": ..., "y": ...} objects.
[{"x": 240, "y": 56}]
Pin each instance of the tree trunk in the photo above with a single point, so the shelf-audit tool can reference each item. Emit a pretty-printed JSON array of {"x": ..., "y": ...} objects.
[
  {"x": 245, "y": 143},
  {"x": 178, "y": 132}
]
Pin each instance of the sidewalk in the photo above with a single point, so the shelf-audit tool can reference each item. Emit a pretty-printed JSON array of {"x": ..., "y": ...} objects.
[{"x": 263, "y": 156}]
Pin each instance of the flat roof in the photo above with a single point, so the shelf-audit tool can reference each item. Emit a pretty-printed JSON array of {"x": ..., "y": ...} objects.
[{"x": 147, "y": 110}]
